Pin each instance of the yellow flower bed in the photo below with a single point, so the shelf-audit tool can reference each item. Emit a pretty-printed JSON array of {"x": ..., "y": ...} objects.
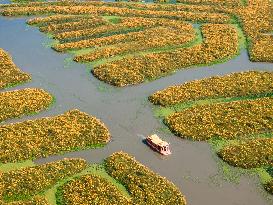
[
  {"x": 256, "y": 22},
  {"x": 145, "y": 186},
  {"x": 163, "y": 37},
  {"x": 148, "y": 43},
  {"x": 220, "y": 43},
  {"x": 224, "y": 120},
  {"x": 152, "y": 29},
  {"x": 51, "y": 135},
  {"x": 27, "y": 182},
  {"x": 78, "y": 23},
  {"x": 165, "y": 7},
  {"x": 254, "y": 15},
  {"x": 121, "y": 5},
  {"x": 232, "y": 85},
  {"x": 37, "y": 200},
  {"x": 54, "y": 19},
  {"x": 262, "y": 49},
  {"x": 107, "y": 10},
  {"x": 25, "y": 101},
  {"x": 90, "y": 189},
  {"x": 127, "y": 23},
  {"x": 212, "y": 2},
  {"x": 9, "y": 73},
  {"x": 250, "y": 154}
]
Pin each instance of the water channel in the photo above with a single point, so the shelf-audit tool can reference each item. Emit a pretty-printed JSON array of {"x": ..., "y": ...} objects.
[{"x": 193, "y": 167}]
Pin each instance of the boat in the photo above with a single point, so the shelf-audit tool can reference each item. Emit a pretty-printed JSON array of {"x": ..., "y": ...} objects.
[{"x": 158, "y": 145}]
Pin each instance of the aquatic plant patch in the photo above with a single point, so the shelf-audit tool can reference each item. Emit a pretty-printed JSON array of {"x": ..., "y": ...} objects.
[
  {"x": 244, "y": 126},
  {"x": 27, "y": 182},
  {"x": 126, "y": 31},
  {"x": 90, "y": 189},
  {"x": 159, "y": 39},
  {"x": 70, "y": 26},
  {"x": 164, "y": 7},
  {"x": 241, "y": 84},
  {"x": 254, "y": 15},
  {"x": 107, "y": 10},
  {"x": 56, "y": 19},
  {"x": 213, "y": 2},
  {"x": 115, "y": 44},
  {"x": 145, "y": 186},
  {"x": 256, "y": 20},
  {"x": 220, "y": 43},
  {"x": 52, "y": 135},
  {"x": 37, "y": 200},
  {"x": 10, "y": 74},
  {"x": 154, "y": 29},
  {"x": 249, "y": 154},
  {"x": 262, "y": 49},
  {"x": 104, "y": 30},
  {"x": 225, "y": 120},
  {"x": 21, "y": 102}
]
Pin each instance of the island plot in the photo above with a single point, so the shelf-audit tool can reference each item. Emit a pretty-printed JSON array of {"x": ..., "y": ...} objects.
[
  {"x": 10, "y": 74},
  {"x": 143, "y": 185},
  {"x": 130, "y": 43},
  {"x": 18, "y": 102},
  {"x": 233, "y": 110},
  {"x": 31, "y": 139},
  {"x": 119, "y": 180}
]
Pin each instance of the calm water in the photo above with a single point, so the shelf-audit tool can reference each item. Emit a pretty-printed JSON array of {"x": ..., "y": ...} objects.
[{"x": 129, "y": 117}]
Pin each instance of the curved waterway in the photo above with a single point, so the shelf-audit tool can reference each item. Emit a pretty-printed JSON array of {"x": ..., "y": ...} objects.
[{"x": 193, "y": 167}]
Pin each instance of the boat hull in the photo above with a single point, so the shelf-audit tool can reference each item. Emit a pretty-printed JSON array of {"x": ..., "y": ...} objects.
[{"x": 155, "y": 148}]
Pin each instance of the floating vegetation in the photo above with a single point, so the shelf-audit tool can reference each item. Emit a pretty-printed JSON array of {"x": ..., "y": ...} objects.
[
  {"x": 220, "y": 43},
  {"x": 27, "y": 182},
  {"x": 233, "y": 111},
  {"x": 149, "y": 40},
  {"x": 111, "y": 34},
  {"x": 249, "y": 154},
  {"x": 225, "y": 120},
  {"x": 74, "y": 182},
  {"x": 55, "y": 20},
  {"x": 10, "y": 74},
  {"x": 73, "y": 24},
  {"x": 145, "y": 186},
  {"x": 20, "y": 102},
  {"x": 145, "y": 43},
  {"x": 256, "y": 20},
  {"x": 37, "y": 200},
  {"x": 262, "y": 48},
  {"x": 125, "y": 53},
  {"x": 106, "y": 9},
  {"x": 52, "y": 135},
  {"x": 249, "y": 83},
  {"x": 90, "y": 189},
  {"x": 213, "y": 2}
]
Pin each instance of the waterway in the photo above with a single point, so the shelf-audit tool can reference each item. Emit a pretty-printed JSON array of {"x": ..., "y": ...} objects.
[{"x": 193, "y": 167}]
